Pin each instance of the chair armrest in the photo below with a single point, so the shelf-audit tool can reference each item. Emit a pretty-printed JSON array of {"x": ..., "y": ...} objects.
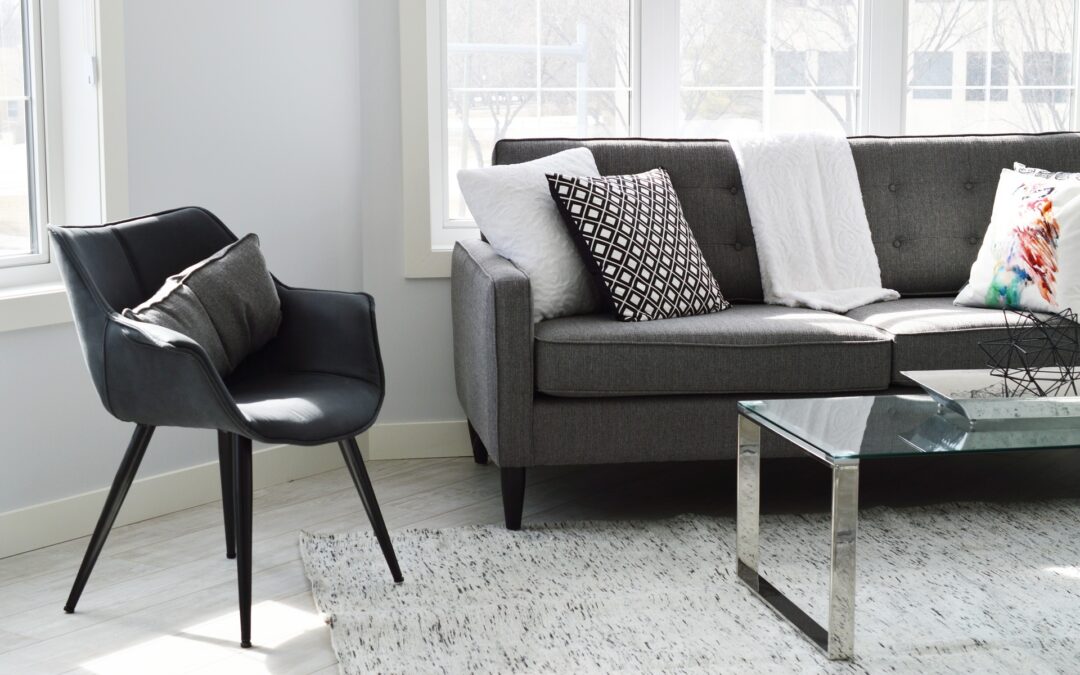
[
  {"x": 161, "y": 377},
  {"x": 493, "y": 352},
  {"x": 326, "y": 332}
]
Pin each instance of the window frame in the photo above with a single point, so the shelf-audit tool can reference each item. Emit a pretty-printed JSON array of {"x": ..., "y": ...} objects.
[
  {"x": 32, "y": 295},
  {"x": 19, "y": 269},
  {"x": 882, "y": 81}
]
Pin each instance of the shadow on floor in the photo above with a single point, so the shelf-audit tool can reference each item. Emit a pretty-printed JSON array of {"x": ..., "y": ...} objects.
[{"x": 803, "y": 484}]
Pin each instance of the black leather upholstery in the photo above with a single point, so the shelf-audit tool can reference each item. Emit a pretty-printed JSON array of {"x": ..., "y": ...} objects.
[{"x": 319, "y": 380}]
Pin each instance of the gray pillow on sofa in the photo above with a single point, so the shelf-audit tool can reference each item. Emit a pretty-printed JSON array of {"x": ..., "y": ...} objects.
[{"x": 227, "y": 303}]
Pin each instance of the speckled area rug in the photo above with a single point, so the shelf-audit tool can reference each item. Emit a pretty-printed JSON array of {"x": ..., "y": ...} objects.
[{"x": 959, "y": 588}]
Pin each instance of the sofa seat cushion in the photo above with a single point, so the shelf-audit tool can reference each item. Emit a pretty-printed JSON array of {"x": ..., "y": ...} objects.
[
  {"x": 752, "y": 349},
  {"x": 933, "y": 333}
]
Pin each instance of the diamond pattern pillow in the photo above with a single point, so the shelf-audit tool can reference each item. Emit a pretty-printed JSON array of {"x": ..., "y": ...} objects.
[{"x": 633, "y": 235}]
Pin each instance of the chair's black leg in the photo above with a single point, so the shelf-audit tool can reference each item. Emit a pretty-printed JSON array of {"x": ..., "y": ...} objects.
[
  {"x": 241, "y": 489},
  {"x": 124, "y": 476},
  {"x": 225, "y": 462},
  {"x": 367, "y": 495},
  {"x": 513, "y": 494},
  {"x": 479, "y": 452}
]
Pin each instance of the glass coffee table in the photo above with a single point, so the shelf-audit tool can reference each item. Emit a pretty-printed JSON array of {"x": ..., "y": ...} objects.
[{"x": 841, "y": 432}]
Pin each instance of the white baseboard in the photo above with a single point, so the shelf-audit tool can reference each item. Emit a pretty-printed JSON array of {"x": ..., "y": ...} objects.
[
  {"x": 414, "y": 440},
  {"x": 71, "y": 517}
]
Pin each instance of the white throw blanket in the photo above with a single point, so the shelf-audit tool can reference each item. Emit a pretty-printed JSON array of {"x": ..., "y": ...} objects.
[{"x": 810, "y": 228}]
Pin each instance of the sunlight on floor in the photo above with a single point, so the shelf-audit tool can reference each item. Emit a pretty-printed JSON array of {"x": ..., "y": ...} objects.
[
  {"x": 211, "y": 645},
  {"x": 1067, "y": 572}
]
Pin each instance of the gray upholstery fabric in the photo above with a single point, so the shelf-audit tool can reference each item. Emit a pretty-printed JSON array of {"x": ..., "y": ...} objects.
[
  {"x": 153, "y": 375},
  {"x": 928, "y": 199},
  {"x": 641, "y": 429},
  {"x": 933, "y": 333},
  {"x": 651, "y": 429},
  {"x": 761, "y": 349},
  {"x": 492, "y": 313},
  {"x": 633, "y": 429},
  {"x": 227, "y": 303}
]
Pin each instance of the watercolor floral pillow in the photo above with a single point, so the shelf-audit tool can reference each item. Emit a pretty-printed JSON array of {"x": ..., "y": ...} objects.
[{"x": 1030, "y": 257}]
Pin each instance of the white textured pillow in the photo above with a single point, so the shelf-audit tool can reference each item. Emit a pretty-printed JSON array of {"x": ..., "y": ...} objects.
[
  {"x": 1030, "y": 257},
  {"x": 513, "y": 208}
]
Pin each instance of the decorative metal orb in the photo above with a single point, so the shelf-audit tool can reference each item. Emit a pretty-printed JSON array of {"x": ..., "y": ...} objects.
[{"x": 1039, "y": 356}]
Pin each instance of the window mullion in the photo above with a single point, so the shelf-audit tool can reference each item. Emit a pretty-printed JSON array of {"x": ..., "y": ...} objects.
[
  {"x": 884, "y": 81},
  {"x": 660, "y": 68}
]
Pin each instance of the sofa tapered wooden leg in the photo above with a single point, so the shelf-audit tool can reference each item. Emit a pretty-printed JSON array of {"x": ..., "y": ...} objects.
[
  {"x": 513, "y": 494},
  {"x": 479, "y": 452},
  {"x": 121, "y": 483},
  {"x": 225, "y": 466}
]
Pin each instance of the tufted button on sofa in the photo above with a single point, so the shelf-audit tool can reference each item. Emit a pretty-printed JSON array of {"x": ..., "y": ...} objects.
[{"x": 593, "y": 390}]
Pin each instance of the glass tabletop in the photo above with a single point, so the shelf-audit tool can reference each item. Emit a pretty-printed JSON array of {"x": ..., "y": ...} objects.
[{"x": 854, "y": 427}]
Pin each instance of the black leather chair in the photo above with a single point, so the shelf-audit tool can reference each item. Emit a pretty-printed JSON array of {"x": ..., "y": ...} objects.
[{"x": 319, "y": 381}]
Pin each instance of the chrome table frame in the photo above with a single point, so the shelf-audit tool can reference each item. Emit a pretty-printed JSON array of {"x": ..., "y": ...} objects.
[{"x": 838, "y": 639}]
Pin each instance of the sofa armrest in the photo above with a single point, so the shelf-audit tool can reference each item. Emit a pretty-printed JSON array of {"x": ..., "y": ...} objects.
[{"x": 493, "y": 357}]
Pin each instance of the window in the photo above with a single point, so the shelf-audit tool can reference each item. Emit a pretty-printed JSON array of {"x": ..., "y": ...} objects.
[
  {"x": 22, "y": 238},
  {"x": 535, "y": 68},
  {"x": 714, "y": 68},
  {"x": 1018, "y": 72},
  {"x": 931, "y": 75},
  {"x": 987, "y": 79},
  {"x": 791, "y": 75},
  {"x": 767, "y": 66},
  {"x": 1046, "y": 68},
  {"x": 835, "y": 69}
]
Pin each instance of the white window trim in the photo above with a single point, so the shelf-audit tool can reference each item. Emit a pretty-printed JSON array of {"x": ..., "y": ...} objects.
[
  {"x": 420, "y": 159},
  {"x": 42, "y": 301}
]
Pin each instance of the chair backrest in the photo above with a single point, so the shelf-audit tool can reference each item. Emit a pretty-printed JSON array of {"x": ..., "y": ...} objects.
[
  {"x": 107, "y": 268},
  {"x": 928, "y": 198}
]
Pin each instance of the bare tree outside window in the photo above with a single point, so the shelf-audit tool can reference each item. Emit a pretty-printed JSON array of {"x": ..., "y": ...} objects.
[
  {"x": 1018, "y": 73},
  {"x": 532, "y": 68},
  {"x": 748, "y": 66}
]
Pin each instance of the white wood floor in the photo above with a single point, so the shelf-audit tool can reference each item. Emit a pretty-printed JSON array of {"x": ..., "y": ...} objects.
[{"x": 163, "y": 596}]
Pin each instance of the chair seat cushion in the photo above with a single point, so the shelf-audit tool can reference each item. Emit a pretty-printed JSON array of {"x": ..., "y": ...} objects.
[
  {"x": 303, "y": 407},
  {"x": 753, "y": 349},
  {"x": 933, "y": 333}
]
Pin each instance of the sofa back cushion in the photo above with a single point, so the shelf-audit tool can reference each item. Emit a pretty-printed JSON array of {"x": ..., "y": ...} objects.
[{"x": 928, "y": 198}]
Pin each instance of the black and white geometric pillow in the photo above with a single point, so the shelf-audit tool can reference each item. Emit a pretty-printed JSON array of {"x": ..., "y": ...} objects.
[{"x": 633, "y": 234}]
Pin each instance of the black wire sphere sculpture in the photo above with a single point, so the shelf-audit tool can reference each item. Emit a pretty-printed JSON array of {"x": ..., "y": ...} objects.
[{"x": 1039, "y": 356}]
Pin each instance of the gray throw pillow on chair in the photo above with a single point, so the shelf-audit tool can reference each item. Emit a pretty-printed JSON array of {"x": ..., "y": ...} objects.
[{"x": 228, "y": 303}]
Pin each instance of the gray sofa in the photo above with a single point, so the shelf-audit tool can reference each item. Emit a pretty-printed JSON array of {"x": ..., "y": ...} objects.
[{"x": 594, "y": 390}]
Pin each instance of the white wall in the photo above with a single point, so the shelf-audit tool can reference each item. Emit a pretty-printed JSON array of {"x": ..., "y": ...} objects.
[
  {"x": 414, "y": 315},
  {"x": 253, "y": 109}
]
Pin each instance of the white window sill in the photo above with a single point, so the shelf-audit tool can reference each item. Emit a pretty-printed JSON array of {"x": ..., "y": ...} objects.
[
  {"x": 425, "y": 263},
  {"x": 33, "y": 306}
]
